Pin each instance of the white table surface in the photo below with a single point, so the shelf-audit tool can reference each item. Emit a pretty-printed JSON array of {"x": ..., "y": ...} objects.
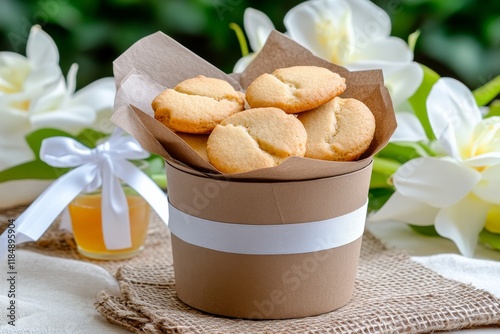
[{"x": 442, "y": 256}]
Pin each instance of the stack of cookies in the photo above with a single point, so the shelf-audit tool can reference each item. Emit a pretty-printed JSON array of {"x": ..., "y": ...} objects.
[{"x": 294, "y": 111}]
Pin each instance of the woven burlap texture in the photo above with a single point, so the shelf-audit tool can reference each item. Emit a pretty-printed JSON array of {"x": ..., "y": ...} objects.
[{"x": 392, "y": 294}]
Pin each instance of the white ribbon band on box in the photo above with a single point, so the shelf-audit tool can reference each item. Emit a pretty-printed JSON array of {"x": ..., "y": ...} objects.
[
  {"x": 268, "y": 239},
  {"x": 101, "y": 166}
]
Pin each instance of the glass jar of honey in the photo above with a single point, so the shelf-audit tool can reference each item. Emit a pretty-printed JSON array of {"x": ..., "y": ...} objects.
[{"x": 85, "y": 212}]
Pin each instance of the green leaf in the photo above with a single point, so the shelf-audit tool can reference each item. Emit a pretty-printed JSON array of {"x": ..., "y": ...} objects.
[
  {"x": 494, "y": 109},
  {"x": 35, "y": 138},
  {"x": 35, "y": 170},
  {"x": 403, "y": 152},
  {"x": 418, "y": 100},
  {"x": 377, "y": 197},
  {"x": 489, "y": 239},
  {"x": 486, "y": 93},
  {"x": 156, "y": 164},
  {"x": 382, "y": 171},
  {"x": 160, "y": 180},
  {"x": 429, "y": 231},
  {"x": 379, "y": 180},
  {"x": 90, "y": 137},
  {"x": 412, "y": 39},
  {"x": 385, "y": 166}
]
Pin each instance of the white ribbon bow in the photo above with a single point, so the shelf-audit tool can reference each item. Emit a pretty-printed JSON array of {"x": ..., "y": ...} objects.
[{"x": 102, "y": 166}]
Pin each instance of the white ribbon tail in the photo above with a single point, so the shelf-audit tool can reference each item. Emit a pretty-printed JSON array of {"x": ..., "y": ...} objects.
[
  {"x": 145, "y": 186},
  {"x": 114, "y": 209},
  {"x": 268, "y": 239},
  {"x": 66, "y": 224},
  {"x": 37, "y": 218}
]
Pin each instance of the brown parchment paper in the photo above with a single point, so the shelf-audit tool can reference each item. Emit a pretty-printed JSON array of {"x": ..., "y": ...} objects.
[{"x": 157, "y": 62}]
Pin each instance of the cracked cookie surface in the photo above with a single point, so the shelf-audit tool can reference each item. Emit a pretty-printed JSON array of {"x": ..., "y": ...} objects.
[
  {"x": 339, "y": 130},
  {"x": 255, "y": 138},
  {"x": 197, "y": 105},
  {"x": 295, "y": 89}
]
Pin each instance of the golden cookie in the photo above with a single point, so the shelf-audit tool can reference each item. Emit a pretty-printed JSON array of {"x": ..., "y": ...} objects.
[
  {"x": 341, "y": 130},
  {"x": 197, "y": 105},
  {"x": 197, "y": 143},
  {"x": 295, "y": 89},
  {"x": 255, "y": 138}
]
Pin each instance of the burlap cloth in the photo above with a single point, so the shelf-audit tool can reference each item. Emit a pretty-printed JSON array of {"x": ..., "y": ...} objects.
[{"x": 392, "y": 294}]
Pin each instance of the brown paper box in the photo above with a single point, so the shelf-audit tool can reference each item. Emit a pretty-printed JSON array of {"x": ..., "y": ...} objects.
[{"x": 297, "y": 191}]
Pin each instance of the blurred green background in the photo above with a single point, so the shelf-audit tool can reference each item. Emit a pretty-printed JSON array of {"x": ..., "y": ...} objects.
[{"x": 459, "y": 38}]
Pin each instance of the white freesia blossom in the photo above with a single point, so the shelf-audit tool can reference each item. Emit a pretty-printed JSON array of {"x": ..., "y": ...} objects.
[
  {"x": 34, "y": 94},
  {"x": 354, "y": 34},
  {"x": 455, "y": 192},
  {"x": 258, "y": 27}
]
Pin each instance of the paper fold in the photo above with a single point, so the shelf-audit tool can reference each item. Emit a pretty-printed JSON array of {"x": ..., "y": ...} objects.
[{"x": 157, "y": 62}]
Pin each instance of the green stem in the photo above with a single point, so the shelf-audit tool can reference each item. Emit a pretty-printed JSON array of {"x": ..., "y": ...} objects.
[
  {"x": 241, "y": 38},
  {"x": 378, "y": 180},
  {"x": 494, "y": 109},
  {"x": 487, "y": 92},
  {"x": 385, "y": 166}
]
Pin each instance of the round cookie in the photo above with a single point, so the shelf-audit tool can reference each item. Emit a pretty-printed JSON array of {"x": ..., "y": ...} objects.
[
  {"x": 295, "y": 89},
  {"x": 197, "y": 105},
  {"x": 197, "y": 143},
  {"x": 255, "y": 138},
  {"x": 340, "y": 130}
]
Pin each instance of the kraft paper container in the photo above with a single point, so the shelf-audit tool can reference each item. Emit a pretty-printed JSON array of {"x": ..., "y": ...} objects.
[{"x": 300, "y": 192}]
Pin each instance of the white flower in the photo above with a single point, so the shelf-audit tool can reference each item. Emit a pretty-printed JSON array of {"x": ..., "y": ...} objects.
[
  {"x": 454, "y": 193},
  {"x": 258, "y": 27},
  {"x": 35, "y": 95},
  {"x": 356, "y": 34}
]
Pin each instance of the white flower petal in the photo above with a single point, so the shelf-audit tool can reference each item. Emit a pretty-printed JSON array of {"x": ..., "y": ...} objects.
[
  {"x": 14, "y": 69},
  {"x": 15, "y": 125},
  {"x": 71, "y": 79},
  {"x": 370, "y": 21},
  {"x": 243, "y": 63},
  {"x": 10, "y": 59},
  {"x": 72, "y": 120},
  {"x": 486, "y": 136},
  {"x": 324, "y": 27},
  {"x": 390, "y": 49},
  {"x": 437, "y": 182},
  {"x": 50, "y": 100},
  {"x": 409, "y": 128},
  {"x": 103, "y": 122},
  {"x": 41, "y": 49},
  {"x": 453, "y": 114},
  {"x": 487, "y": 159},
  {"x": 257, "y": 27},
  {"x": 98, "y": 95},
  {"x": 406, "y": 210},
  {"x": 488, "y": 189},
  {"x": 462, "y": 223},
  {"x": 402, "y": 79},
  {"x": 43, "y": 77}
]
